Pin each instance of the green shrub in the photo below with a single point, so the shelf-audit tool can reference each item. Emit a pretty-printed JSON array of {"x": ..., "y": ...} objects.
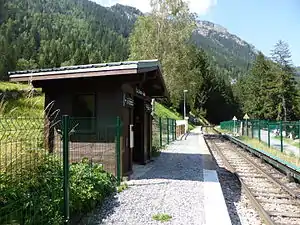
[
  {"x": 36, "y": 195},
  {"x": 89, "y": 185}
]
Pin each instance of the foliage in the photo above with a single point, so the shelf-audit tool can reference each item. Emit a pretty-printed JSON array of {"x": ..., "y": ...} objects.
[
  {"x": 53, "y": 33},
  {"x": 89, "y": 185},
  {"x": 164, "y": 35},
  {"x": 162, "y": 217},
  {"x": 36, "y": 196},
  {"x": 269, "y": 91},
  {"x": 122, "y": 187}
]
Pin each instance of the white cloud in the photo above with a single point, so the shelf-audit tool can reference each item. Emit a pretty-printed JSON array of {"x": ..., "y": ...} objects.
[{"x": 201, "y": 7}]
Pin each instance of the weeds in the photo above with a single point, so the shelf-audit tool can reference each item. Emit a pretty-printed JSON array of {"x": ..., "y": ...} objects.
[
  {"x": 162, "y": 217},
  {"x": 122, "y": 187}
]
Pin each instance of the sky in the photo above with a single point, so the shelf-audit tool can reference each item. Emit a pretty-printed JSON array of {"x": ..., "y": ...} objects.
[{"x": 259, "y": 22}]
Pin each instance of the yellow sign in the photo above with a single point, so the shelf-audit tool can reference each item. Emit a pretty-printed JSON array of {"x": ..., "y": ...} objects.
[{"x": 246, "y": 117}]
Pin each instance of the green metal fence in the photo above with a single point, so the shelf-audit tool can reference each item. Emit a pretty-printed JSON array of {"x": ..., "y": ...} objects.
[
  {"x": 281, "y": 135},
  {"x": 36, "y": 155},
  {"x": 164, "y": 131}
]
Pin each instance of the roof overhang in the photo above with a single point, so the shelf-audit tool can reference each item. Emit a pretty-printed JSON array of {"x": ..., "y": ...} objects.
[{"x": 92, "y": 70}]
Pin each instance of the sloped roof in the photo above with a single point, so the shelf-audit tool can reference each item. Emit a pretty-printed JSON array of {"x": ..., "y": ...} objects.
[{"x": 90, "y": 70}]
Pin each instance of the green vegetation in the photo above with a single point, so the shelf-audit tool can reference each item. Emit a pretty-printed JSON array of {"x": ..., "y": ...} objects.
[
  {"x": 25, "y": 198},
  {"x": 185, "y": 65},
  {"x": 295, "y": 143},
  {"x": 290, "y": 158},
  {"x": 53, "y": 33},
  {"x": 164, "y": 112},
  {"x": 122, "y": 187},
  {"x": 162, "y": 217},
  {"x": 269, "y": 91},
  {"x": 24, "y": 105}
]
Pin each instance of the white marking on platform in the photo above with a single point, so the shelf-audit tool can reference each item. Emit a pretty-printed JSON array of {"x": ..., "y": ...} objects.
[{"x": 215, "y": 209}]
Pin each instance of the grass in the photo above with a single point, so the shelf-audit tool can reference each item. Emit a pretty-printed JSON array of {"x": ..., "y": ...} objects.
[
  {"x": 162, "y": 111},
  {"x": 290, "y": 158},
  {"x": 13, "y": 86},
  {"x": 289, "y": 141},
  {"x": 162, "y": 217},
  {"x": 23, "y": 107}
]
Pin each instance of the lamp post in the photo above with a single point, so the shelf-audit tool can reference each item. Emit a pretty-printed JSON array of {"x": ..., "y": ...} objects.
[{"x": 184, "y": 104}]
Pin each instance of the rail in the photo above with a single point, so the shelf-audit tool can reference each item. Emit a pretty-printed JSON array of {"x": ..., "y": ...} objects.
[{"x": 267, "y": 216}]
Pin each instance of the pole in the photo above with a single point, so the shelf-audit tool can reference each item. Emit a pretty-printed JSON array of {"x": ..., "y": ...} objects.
[
  {"x": 66, "y": 124},
  {"x": 259, "y": 130},
  {"x": 247, "y": 127},
  {"x": 252, "y": 129},
  {"x": 269, "y": 144},
  {"x": 299, "y": 135},
  {"x": 160, "y": 132},
  {"x": 281, "y": 138},
  {"x": 118, "y": 150},
  {"x": 168, "y": 131},
  {"x": 184, "y": 107}
]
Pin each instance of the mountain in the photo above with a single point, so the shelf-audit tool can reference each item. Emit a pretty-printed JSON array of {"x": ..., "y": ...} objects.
[
  {"x": 228, "y": 50},
  {"x": 53, "y": 33}
]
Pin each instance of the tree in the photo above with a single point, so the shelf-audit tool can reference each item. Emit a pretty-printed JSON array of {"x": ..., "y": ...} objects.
[
  {"x": 285, "y": 77},
  {"x": 165, "y": 35}
]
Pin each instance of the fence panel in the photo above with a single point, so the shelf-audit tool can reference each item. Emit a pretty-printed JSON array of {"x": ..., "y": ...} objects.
[{"x": 27, "y": 168}]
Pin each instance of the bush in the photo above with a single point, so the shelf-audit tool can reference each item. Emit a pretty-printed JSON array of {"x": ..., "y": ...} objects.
[
  {"x": 36, "y": 195},
  {"x": 89, "y": 185}
]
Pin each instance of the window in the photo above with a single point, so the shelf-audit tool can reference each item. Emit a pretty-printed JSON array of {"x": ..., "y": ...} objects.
[
  {"x": 84, "y": 106},
  {"x": 84, "y": 113}
]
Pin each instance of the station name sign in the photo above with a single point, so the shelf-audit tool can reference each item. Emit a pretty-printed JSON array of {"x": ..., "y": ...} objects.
[
  {"x": 128, "y": 101},
  {"x": 148, "y": 107},
  {"x": 140, "y": 92}
]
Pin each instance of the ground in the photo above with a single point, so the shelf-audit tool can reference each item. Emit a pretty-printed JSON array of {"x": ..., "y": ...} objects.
[{"x": 174, "y": 186}]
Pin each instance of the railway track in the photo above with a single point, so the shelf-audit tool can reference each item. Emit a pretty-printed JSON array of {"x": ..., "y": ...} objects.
[{"x": 265, "y": 187}]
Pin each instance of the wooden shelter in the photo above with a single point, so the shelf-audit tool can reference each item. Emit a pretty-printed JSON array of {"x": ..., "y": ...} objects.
[{"x": 103, "y": 92}]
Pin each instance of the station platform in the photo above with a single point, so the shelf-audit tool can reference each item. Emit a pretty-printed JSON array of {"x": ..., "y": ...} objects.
[{"x": 182, "y": 183}]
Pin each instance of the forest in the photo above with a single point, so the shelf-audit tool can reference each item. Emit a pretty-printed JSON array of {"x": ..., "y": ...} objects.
[{"x": 54, "y": 33}]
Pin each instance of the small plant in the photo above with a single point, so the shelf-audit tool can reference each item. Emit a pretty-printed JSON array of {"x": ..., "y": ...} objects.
[
  {"x": 155, "y": 151},
  {"x": 162, "y": 217},
  {"x": 122, "y": 187}
]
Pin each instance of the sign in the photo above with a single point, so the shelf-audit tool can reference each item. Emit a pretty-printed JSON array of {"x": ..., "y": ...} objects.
[
  {"x": 127, "y": 101},
  {"x": 148, "y": 107},
  {"x": 246, "y": 117},
  {"x": 140, "y": 92},
  {"x": 234, "y": 118}
]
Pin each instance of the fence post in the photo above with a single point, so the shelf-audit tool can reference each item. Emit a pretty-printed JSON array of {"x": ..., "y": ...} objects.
[
  {"x": 252, "y": 129},
  {"x": 299, "y": 134},
  {"x": 65, "y": 136},
  {"x": 168, "y": 131},
  {"x": 118, "y": 150},
  {"x": 269, "y": 144},
  {"x": 160, "y": 132},
  {"x": 174, "y": 129},
  {"x": 281, "y": 138},
  {"x": 259, "y": 130},
  {"x": 173, "y": 135}
]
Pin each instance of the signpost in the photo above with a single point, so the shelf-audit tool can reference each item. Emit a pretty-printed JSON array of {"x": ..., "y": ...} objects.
[
  {"x": 234, "y": 121},
  {"x": 246, "y": 117}
]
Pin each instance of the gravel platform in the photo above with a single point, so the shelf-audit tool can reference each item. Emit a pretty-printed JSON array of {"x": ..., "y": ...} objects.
[{"x": 172, "y": 185}]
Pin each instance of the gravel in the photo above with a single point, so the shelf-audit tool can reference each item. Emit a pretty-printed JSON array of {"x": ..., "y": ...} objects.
[{"x": 172, "y": 185}]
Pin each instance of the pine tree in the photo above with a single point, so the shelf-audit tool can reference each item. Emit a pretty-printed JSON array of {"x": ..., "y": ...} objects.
[{"x": 285, "y": 77}]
